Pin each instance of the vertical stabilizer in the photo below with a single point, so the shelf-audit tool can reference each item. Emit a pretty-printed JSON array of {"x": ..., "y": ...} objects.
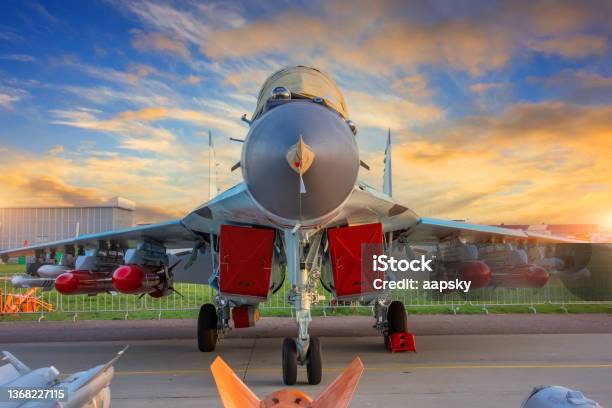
[
  {"x": 340, "y": 392},
  {"x": 388, "y": 175},
  {"x": 212, "y": 168},
  {"x": 233, "y": 392}
]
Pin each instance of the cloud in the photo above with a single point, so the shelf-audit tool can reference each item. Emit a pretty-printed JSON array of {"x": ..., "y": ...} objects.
[
  {"x": 384, "y": 111},
  {"x": 135, "y": 130},
  {"x": 463, "y": 46},
  {"x": 517, "y": 166},
  {"x": 412, "y": 86},
  {"x": 43, "y": 12},
  {"x": 158, "y": 42},
  {"x": 248, "y": 80},
  {"x": 55, "y": 191},
  {"x": 6, "y": 100},
  {"x": 189, "y": 22},
  {"x": 9, "y": 96},
  {"x": 105, "y": 95},
  {"x": 18, "y": 57},
  {"x": 194, "y": 79},
  {"x": 56, "y": 150},
  {"x": 577, "y": 46},
  {"x": 378, "y": 39},
  {"x": 483, "y": 87},
  {"x": 48, "y": 180},
  {"x": 129, "y": 126},
  {"x": 579, "y": 85}
]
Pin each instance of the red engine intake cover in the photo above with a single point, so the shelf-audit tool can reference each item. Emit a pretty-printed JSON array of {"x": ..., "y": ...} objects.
[
  {"x": 83, "y": 283},
  {"x": 352, "y": 270},
  {"x": 245, "y": 261}
]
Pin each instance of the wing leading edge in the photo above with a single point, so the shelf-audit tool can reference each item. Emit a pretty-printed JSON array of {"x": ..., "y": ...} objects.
[
  {"x": 368, "y": 205},
  {"x": 173, "y": 234},
  {"x": 234, "y": 206}
]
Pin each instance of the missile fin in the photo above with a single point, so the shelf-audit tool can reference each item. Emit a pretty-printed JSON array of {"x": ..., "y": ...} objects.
[
  {"x": 233, "y": 392},
  {"x": 15, "y": 362},
  {"x": 340, "y": 392}
]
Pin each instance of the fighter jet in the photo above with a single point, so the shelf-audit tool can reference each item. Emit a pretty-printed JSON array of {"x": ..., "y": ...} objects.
[
  {"x": 44, "y": 387},
  {"x": 300, "y": 213}
]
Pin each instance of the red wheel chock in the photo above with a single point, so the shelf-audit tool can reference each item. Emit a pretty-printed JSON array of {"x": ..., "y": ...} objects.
[{"x": 399, "y": 342}]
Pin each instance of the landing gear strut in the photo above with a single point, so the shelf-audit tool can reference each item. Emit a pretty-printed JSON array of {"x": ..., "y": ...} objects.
[
  {"x": 303, "y": 266},
  {"x": 207, "y": 328}
]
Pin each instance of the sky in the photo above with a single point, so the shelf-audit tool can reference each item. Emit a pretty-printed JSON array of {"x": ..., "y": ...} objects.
[{"x": 500, "y": 111}]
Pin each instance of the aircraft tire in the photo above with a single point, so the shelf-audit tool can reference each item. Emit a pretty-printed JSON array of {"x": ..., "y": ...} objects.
[
  {"x": 314, "y": 368},
  {"x": 289, "y": 361},
  {"x": 396, "y": 317},
  {"x": 207, "y": 328}
]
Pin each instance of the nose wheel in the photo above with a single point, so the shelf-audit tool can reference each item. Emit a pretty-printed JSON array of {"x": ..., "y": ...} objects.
[
  {"x": 314, "y": 367},
  {"x": 314, "y": 363},
  {"x": 290, "y": 361}
]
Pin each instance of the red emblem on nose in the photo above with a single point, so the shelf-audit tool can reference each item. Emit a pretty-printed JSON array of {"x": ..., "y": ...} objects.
[{"x": 300, "y": 156}]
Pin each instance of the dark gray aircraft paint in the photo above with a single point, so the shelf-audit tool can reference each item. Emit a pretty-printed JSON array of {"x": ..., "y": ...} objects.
[{"x": 275, "y": 186}]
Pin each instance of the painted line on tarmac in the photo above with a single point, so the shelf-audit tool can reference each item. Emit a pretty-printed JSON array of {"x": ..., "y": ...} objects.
[{"x": 381, "y": 368}]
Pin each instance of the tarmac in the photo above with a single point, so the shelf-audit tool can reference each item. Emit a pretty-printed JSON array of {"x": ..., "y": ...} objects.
[{"x": 462, "y": 361}]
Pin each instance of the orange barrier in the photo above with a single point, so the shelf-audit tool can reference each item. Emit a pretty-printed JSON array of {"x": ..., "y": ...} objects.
[{"x": 28, "y": 302}]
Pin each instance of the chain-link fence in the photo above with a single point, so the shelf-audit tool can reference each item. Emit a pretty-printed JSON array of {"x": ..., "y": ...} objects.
[
  {"x": 189, "y": 297},
  {"x": 586, "y": 280}
]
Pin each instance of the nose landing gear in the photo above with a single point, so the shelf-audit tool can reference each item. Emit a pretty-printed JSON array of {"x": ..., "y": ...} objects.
[{"x": 303, "y": 272}]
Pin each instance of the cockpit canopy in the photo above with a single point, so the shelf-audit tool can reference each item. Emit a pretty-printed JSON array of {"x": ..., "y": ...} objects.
[{"x": 303, "y": 82}]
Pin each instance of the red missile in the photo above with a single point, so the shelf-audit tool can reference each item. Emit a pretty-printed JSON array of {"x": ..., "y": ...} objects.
[
  {"x": 476, "y": 272},
  {"x": 135, "y": 279},
  {"x": 83, "y": 283}
]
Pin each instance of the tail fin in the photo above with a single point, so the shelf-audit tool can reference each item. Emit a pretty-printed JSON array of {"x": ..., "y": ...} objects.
[
  {"x": 212, "y": 168},
  {"x": 16, "y": 363},
  {"x": 234, "y": 393},
  {"x": 340, "y": 392},
  {"x": 387, "y": 175}
]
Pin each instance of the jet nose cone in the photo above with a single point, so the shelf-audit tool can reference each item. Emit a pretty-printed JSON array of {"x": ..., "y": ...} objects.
[{"x": 300, "y": 162}]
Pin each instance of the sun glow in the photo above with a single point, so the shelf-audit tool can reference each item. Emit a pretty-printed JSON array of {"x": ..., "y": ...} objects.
[{"x": 606, "y": 223}]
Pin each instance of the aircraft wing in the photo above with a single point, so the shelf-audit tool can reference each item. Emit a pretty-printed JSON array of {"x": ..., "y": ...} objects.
[
  {"x": 433, "y": 230},
  {"x": 234, "y": 206},
  {"x": 367, "y": 205},
  {"x": 172, "y": 233}
]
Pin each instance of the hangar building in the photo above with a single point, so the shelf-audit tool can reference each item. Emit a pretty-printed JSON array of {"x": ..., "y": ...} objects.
[{"x": 34, "y": 225}]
